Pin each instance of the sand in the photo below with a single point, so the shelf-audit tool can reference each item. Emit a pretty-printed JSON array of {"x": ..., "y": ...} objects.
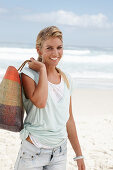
[{"x": 93, "y": 114}]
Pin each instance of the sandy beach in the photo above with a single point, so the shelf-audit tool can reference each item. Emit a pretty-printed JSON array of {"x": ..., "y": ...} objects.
[{"x": 93, "y": 114}]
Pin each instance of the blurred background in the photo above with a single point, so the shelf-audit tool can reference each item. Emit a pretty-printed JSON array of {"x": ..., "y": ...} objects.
[{"x": 87, "y": 30}]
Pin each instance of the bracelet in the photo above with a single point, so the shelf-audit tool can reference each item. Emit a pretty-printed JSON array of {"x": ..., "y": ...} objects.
[{"x": 78, "y": 157}]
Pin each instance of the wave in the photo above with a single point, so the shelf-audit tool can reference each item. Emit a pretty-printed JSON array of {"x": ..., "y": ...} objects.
[
  {"x": 82, "y": 64},
  {"x": 77, "y": 52},
  {"x": 89, "y": 59},
  {"x": 92, "y": 74},
  {"x": 77, "y": 56}
]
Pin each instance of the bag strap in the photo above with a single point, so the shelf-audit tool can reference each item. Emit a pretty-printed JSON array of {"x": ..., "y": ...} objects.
[
  {"x": 23, "y": 64},
  {"x": 62, "y": 73}
]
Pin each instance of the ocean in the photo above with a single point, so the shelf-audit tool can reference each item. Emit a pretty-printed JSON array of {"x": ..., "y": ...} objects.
[{"x": 90, "y": 67}]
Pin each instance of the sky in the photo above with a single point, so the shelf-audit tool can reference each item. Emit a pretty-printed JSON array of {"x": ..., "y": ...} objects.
[{"x": 84, "y": 23}]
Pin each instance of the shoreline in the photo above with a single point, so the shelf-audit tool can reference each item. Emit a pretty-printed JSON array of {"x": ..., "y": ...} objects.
[
  {"x": 93, "y": 83},
  {"x": 88, "y": 83}
]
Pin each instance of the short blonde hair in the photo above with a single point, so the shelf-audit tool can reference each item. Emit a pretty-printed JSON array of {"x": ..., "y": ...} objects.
[{"x": 45, "y": 34}]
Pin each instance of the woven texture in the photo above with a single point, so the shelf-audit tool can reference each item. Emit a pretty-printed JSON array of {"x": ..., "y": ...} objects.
[{"x": 11, "y": 108}]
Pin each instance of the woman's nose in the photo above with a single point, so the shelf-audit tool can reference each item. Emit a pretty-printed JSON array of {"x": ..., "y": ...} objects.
[{"x": 55, "y": 52}]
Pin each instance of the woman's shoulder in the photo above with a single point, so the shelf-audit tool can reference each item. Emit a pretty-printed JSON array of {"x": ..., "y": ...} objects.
[
  {"x": 72, "y": 81},
  {"x": 31, "y": 73}
]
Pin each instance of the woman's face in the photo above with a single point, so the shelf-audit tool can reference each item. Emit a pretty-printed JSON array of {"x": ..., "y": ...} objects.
[{"x": 52, "y": 51}]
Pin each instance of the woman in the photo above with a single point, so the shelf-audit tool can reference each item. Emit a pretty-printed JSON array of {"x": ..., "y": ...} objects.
[{"x": 47, "y": 101}]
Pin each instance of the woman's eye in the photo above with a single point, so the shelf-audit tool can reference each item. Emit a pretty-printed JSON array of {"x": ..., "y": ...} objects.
[
  {"x": 59, "y": 47},
  {"x": 49, "y": 48}
]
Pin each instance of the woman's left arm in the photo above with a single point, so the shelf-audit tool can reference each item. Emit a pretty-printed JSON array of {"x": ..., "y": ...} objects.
[{"x": 73, "y": 138}]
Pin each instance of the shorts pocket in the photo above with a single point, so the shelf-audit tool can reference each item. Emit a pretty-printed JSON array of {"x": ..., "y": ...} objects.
[
  {"x": 64, "y": 151},
  {"x": 28, "y": 155}
]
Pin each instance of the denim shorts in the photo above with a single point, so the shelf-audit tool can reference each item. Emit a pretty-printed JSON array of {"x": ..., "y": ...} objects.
[{"x": 32, "y": 158}]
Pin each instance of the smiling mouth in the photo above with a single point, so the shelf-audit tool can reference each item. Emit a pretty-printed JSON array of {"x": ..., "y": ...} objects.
[{"x": 54, "y": 58}]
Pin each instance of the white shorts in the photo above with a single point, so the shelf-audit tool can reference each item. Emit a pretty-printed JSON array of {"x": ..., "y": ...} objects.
[{"x": 32, "y": 158}]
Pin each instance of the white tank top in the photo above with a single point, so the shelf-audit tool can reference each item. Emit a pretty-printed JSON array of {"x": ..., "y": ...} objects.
[{"x": 57, "y": 90}]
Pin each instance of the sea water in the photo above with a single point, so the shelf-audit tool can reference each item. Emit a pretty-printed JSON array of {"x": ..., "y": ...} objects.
[{"x": 90, "y": 67}]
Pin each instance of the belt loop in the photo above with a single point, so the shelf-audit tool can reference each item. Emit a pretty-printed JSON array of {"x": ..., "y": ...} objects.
[
  {"x": 60, "y": 149},
  {"x": 51, "y": 155},
  {"x": 38, "y": 153}
]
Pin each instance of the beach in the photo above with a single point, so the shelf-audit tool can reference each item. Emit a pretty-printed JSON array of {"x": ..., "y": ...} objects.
[{"x": 93, "y": 114}]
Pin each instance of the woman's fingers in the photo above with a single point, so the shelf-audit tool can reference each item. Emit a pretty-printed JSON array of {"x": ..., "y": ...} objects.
[
  {"x": 32, "y": 59},
  {"x": 81, "y": 165}
]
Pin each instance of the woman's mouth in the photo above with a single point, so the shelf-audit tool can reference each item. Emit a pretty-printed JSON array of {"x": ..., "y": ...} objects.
[{"x": 53, "y": 58}]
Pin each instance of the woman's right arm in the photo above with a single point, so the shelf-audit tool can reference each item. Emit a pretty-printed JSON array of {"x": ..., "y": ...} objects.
[{"x": 37, "y": 93}]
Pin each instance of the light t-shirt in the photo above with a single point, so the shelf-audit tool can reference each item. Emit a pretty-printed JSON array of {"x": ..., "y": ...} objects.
[
  {"x": 47, "y": 124},
  {"x": 57, "y": 91}
]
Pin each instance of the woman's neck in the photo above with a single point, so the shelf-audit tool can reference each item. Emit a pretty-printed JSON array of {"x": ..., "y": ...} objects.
[
  {"x": 51, "y": 70},
  {"x": 53, "y": 75}
]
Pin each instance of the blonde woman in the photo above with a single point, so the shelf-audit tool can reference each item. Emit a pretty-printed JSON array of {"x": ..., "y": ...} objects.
[{"x": 47, "y": 101}]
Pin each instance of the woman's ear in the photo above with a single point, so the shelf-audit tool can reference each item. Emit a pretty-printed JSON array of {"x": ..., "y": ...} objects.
[{"x": 39, "y": 52}]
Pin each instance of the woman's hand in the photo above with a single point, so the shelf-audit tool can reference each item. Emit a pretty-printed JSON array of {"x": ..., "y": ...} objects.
[
  {"x": 81, "y": 164},
  {"x": 36, "y": 65}
]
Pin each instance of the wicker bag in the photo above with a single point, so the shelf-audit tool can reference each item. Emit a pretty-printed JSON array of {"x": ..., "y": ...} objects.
[{"x": 11, "y": 105}]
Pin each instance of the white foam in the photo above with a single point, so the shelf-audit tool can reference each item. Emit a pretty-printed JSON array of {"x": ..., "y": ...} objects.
[
  {"x": 85, "y": 75},
  {"x": 89, "y": 59},
  {"x": 76, "y": 56},
  {"x": 76, "y": 52},
  {"x": 89, "y": 74},
  {"x": 17, "y": 53}
]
